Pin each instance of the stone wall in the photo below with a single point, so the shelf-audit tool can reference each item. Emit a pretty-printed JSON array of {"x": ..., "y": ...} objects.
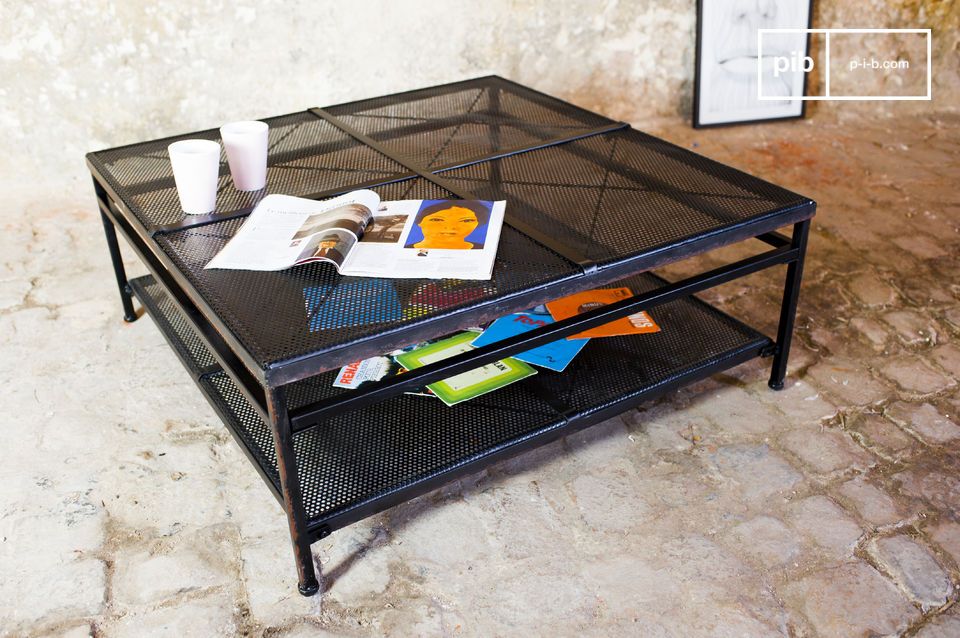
[{"x": 82, "y": 76}]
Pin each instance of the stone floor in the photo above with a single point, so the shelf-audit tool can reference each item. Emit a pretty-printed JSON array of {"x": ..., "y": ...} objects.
[{"x": 828, "y": 509}]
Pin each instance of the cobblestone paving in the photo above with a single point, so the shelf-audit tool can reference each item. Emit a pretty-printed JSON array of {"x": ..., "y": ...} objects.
[{"x": 726, "y": 509}]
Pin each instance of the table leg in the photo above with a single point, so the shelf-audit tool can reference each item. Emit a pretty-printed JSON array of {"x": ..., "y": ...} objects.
[
  {"x": 290, "y": 489},
  {"x": 788, "y": 309},
  {"x": 118, "y": 269}
]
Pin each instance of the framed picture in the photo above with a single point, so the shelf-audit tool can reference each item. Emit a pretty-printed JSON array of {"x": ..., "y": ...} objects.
[{"x": 726, "y": 79}]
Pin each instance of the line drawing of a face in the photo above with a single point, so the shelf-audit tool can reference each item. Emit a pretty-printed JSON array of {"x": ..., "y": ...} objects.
[
  {"x": 735, "y": 52},
  {"x": 448, "y": 228}
]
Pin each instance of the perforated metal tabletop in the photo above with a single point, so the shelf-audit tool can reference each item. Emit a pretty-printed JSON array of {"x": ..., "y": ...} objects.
[{"x": 590, "y": 200}]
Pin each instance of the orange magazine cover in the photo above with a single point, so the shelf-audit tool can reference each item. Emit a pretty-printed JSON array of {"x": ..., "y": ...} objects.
[{"x": 581, "y": 302}]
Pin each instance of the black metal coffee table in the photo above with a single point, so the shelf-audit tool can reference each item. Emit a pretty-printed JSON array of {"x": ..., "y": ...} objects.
[{"x": 590, "y": 202}]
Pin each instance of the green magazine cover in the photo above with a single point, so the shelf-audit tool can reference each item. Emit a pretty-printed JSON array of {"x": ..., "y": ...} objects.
[{"x": 472, "y": 383}]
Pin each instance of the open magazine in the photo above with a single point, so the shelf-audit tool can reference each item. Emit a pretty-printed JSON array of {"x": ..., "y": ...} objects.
[{"x": 364, "y": 237}]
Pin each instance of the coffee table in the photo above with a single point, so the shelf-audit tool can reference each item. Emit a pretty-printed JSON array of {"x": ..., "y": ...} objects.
[{"x": 590, "y": 202}]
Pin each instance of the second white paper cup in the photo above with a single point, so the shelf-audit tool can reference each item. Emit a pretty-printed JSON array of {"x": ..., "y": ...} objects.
[
  {"x": 196, "y": 169},
  {"x": 246, "y": 144}
]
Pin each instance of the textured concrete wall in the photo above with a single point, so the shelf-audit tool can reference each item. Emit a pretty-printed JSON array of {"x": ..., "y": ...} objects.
[
  {"x": 80, "y": 76},
  {"x": 942, "y": 16}
]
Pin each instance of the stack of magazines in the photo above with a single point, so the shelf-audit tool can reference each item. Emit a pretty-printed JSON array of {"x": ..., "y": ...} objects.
[{"x": 555, "y": 356}]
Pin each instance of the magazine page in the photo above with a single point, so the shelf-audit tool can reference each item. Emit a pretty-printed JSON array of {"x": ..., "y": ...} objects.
[
  {"x": 465, "y": 385},
  {"x": 429, "y": 239},
  {"x": 556, "y": 355},
  {"x": 587, "y": 300},
  {"x": 368, "y": 371},
  {"x": 283, "y": 231}
]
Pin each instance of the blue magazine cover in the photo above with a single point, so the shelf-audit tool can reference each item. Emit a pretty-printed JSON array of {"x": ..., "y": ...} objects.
[
  {"x": 351, "y": 304},
  {"x": 553, "y": 356}
]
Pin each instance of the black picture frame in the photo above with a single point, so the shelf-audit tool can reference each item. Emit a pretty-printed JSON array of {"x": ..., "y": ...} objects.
[{"x": 698, "y": 76}]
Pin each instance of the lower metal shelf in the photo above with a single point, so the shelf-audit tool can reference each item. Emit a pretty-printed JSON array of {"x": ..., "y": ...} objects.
[{"x": 364, "y": 461}]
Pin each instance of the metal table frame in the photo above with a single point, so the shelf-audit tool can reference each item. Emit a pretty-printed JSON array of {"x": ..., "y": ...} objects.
[{"x": 265, "y": 387}]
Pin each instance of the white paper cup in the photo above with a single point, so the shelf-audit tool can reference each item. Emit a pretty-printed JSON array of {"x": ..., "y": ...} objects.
[
  {"x": 196, "y": 168},
  {"x": 246, "y": 144}
]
